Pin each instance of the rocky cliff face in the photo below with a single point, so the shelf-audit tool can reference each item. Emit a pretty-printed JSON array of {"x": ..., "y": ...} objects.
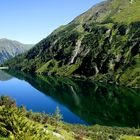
[
  {"x": 102, "y": 43},
  {"x": 9, "y": 49}
]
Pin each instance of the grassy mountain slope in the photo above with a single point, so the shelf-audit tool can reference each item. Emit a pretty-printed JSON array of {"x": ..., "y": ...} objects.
[
  {"x": 102, "y": 43},
  {"x": 125, "y": 11},
  {"x": 9, "y": 49}
]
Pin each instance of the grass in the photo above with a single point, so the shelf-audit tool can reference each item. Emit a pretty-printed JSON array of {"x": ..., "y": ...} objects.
[
  {"x": 131, "y": 72},
  {"x": 129, "y": 138},
  {"x": 51, "y": 66},
  {"x": 132, "y": 14}
]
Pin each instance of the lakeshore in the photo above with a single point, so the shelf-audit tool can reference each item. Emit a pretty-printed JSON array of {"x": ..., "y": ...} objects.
[{"x": 4, "y": 68}]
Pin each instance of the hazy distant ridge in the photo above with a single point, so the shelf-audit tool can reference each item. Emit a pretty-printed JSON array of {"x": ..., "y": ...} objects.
[{"x": 10, "y": 49}]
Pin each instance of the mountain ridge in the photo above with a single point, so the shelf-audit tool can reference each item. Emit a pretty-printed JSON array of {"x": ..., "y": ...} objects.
[
  {"x": 11, "y": 48},
  {"x": 102, "y": 44}
]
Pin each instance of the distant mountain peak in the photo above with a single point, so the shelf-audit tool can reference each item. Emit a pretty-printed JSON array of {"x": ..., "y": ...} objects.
[
  {"x": 115, "y": 10},
  {"x": 11, "y": 48}
]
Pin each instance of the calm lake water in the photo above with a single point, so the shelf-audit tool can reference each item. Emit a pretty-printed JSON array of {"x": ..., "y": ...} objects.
[{"x": 80, "y": 101}]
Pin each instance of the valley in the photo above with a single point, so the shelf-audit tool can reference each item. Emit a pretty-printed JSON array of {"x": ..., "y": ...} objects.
[{"x": 80, "y": 82}]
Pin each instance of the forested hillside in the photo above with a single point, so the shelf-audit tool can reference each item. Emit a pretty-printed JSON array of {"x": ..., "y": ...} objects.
[{"x": 102, "y": 43}]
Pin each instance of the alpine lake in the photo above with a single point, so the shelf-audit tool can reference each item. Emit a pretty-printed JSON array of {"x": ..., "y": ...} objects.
[{"x": 80, "y": 101}]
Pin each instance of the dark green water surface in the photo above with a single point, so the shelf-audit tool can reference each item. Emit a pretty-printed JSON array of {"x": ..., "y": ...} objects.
[{"x": 80, "y": 101}]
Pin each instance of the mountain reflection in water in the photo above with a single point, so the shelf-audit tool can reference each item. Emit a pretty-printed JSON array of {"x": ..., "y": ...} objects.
[{"x": 95, "y": 103}]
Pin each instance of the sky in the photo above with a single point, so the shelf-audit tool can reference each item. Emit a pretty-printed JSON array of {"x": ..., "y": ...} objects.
[{"x": 29, "y": 21}]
